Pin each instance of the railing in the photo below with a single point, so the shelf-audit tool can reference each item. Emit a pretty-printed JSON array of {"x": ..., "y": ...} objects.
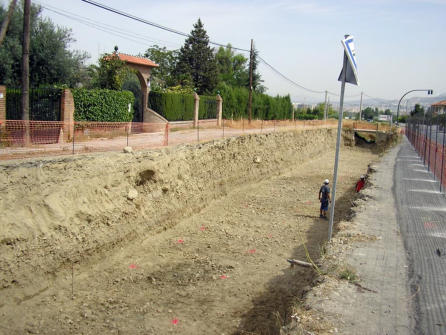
[
  {"x": 427, "y": 135},
  {"x": 44, "y": 104}
]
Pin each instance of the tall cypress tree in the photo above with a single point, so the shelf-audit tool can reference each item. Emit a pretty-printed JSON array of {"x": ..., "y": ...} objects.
[{"x": 196, "y": 64}]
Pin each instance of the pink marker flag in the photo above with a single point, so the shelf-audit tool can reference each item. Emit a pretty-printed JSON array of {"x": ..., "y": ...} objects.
[
  {"x": 133, "y": 266},
  {"x": 175, "y": 322},
  {"x": 430, "y": 225}
]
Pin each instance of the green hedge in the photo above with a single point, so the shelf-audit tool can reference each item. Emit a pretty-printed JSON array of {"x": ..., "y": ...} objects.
[
  {"x": 235, "y": 104},
  {"x": 172, "y": 106},
  {"x": 102, "y": 105},
  {"x": 180, "y": 107}
]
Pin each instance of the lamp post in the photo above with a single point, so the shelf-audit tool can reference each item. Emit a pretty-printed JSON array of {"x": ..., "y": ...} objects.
[{"x": 429, "y": 91}]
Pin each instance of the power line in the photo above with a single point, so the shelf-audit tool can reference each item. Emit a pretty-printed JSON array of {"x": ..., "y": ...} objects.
[
  {"x": 113, "y": 30},
  {"x": 130, "y": 36},
  {"x": 133, "y": 17},
  {"x": 288, "y": 79}
]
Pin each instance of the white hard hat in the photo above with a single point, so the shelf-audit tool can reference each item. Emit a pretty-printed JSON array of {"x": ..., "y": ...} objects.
[
  {"x": 362, "y": 176},
  {"x": 326, "y": 181}
]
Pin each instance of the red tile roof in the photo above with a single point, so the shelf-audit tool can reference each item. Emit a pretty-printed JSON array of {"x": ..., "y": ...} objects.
[
  {"x": 439, "y": 104},
  {"x": 137, "y": 60}
]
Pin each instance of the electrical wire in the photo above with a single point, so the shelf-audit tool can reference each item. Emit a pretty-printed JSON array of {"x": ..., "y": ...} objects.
[
  {"x": 288, "y": 79},
  {"x": 113, "y": 30},
  {"x": 133, "y": 17},
  {"x": 131, "y": 36}
]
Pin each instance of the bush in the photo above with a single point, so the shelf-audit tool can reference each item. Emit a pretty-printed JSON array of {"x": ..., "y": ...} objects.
[
  {"x": 305, "y": 116},
  {"x": 172, "y": 106},
  {"x": 235, "y": 104},
  {"x": 102, "y": 105}
]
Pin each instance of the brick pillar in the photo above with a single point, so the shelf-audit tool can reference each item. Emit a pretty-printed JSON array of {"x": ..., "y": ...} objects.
[
  {"x": 2, "y": 102},
  {"x": 67, "y": 113},
  {"x": 196, "y": 108},
  {"x": 219, "y": 109}
]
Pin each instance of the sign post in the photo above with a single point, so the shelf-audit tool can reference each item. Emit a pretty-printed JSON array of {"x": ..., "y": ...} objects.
[{"x": 348, "y": 75}]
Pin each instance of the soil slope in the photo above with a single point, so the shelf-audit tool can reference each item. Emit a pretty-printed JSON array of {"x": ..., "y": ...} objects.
[{"x": 189, "y": 240}]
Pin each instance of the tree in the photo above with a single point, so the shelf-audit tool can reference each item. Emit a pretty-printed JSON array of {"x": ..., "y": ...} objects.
[
  {"x": 369, "y": 113},
  {"x": 112, "y": 72},
  {"x": 6, "y": 20},
  {"x": 232, "y": 68},
  {"x": 50, "y": 60},
  {"x": 196, "y": 62},
  {"x": 256, "y": 77},
  {"x": 417, "y": 111},
  {"x": 162, "y": 76}
]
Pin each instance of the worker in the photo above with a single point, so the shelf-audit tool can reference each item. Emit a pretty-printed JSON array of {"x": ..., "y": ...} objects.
[
  {"x": 324, "y": 197},
  {"x": 360, "y": 184}
]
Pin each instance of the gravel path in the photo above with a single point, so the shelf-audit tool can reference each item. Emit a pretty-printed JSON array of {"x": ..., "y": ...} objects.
[{"x": 376, "y": 298}]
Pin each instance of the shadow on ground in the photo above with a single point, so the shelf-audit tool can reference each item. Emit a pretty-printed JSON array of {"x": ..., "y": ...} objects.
[{"x": 283, "y": 293}]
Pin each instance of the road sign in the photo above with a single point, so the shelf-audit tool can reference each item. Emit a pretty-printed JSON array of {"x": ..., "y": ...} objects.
[
  {"x": 348, "y": 75},
  {"x": 352, "y": 67}
]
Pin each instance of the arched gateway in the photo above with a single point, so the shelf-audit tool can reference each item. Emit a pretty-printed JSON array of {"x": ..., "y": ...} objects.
[{"x": 143, "y": 67}]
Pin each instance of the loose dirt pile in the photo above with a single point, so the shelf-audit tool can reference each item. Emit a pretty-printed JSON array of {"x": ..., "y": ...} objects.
[{"x": 190, "y": 240}]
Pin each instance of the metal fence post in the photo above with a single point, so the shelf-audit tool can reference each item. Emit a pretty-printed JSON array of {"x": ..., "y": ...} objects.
[
  {"x": 430, "y": 144},
  {"x": 74, "y": 134},
  {"x": 127, "y": 133},
  {"x": 425, "y": 140},
  {"x": 223, "y": 121},
  {"x": 436, "y": 150},
  {"x": 198, "y": 131},
  {"x": 442, "y": 156}
]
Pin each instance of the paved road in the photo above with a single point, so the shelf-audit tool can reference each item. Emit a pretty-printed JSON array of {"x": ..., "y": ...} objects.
[
  {"x": 436, "y": 134},
  {"x": 421, "y": 213}
]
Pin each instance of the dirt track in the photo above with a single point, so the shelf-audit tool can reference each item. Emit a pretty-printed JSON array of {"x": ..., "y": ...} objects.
[{"x": 201, "y": 250}]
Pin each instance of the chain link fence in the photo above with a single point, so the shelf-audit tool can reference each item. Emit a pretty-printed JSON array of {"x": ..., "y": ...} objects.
[{"x": 427, "y": 135}]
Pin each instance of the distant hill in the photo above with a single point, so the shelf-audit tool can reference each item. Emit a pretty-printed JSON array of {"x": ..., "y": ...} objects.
[{"x": 382, "y": 104}]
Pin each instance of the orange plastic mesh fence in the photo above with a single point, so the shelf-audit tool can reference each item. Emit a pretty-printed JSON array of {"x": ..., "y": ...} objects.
[
  {"x": 55, "y": 138},
  {"x": 14, "y": 132}
]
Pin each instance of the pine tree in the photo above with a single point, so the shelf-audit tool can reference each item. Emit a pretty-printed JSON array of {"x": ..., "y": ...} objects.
[{"x": 196, "y": 64}]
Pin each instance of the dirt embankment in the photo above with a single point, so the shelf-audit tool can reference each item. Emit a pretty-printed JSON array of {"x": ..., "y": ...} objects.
[
  {"x": 60, "y": 210},
  {"x": 191, "y": 239}
]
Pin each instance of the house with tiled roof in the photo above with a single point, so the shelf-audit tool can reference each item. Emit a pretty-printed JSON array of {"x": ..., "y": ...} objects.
[{"x": 439, "y": 107}]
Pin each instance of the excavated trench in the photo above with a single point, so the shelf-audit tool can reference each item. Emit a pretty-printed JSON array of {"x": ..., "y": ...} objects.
[{"x": 191, "y": 239}]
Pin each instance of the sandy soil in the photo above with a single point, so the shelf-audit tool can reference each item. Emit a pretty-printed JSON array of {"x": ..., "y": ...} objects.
[{"x": 190, "y": 240}]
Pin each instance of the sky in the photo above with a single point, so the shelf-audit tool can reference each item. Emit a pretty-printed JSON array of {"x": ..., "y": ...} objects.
[{"x": 400, "y": 44}]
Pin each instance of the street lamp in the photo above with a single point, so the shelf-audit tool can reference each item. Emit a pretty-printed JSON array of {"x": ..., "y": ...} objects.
[{"x": 429, "y": 92}]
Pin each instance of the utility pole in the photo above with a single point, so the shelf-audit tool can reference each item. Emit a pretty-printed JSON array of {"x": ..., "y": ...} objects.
[
  {"x": 325, "y": 106},
  {"x": 360, "y": 107},
  {"x": 251, "y": 55},
  {"x": 25, "y": 66}
]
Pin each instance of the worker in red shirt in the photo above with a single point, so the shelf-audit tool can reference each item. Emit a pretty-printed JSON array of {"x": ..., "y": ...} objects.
[{"x": 360, "y": 184}]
